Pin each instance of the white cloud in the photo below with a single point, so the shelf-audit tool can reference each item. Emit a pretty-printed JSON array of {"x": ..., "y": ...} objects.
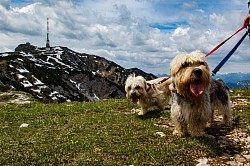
[
  {"x": 120, "y": 30},
  {"x": 180, "y": 31},
  {"x": 30, "y": 9}
]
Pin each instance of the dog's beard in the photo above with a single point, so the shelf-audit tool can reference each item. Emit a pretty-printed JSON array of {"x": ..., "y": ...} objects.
[
  {"x": 135, "y": 100},
  {"x": 199, "y": 82},
  {"x": 189, "y": 84}
]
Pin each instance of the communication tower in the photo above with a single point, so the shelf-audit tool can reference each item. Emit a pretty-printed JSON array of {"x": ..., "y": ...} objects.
[{"x": 47, "y": 41}]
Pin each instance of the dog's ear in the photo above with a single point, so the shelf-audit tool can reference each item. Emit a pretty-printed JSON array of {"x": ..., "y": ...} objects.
[
  {"x": 144, "y": 82},
  {"x": 128, "y": 80}
]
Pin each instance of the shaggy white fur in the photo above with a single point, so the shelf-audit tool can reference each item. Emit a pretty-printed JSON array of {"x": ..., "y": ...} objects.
[{"x": 147, "y": 93}]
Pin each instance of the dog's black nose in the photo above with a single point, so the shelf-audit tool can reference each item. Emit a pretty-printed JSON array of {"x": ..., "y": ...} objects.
[
  {"x": 197, "y": 72},
  {"x": 133, "y": 94}
]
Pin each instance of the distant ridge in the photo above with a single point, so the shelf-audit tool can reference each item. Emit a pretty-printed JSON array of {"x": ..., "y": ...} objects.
[{"x": 235, "y": 80}]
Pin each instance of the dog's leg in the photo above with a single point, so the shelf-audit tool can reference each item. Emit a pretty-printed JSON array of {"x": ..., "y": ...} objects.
[
  {"x": 160, "y": 105},
  {"x": 180, "y": 129},
  {"x": 197, "y": 128},
  {"x": 227, "y": 120},
  {"x": 199, "y": 119},
  {"x": 211, "y": 119},
  {"x": 178, "y": 117},
  {"x": 225, "y": 111},
  {"x": 227, "y": 116}
]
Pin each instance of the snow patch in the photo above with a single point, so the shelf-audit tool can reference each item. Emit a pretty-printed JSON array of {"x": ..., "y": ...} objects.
[
  {"x": 76, "y": 84},
  {"x": 20, "y": 76},
  {"x": 23, "y": 70},
  {"x": 26, "y": 83},
  {"x": 4, "y": 55}
]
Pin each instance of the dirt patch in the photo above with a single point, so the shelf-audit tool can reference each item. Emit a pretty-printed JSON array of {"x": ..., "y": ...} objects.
[{"x": 12, "y": 97}]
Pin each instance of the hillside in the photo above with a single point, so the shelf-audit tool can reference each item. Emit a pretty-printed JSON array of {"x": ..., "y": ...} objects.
[
  {"x": 62, "y": 74},
  {"x": 106, "y": 132}
]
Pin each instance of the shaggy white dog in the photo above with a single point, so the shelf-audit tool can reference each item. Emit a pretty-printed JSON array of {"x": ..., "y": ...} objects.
[{"x": 147, "y": 93}]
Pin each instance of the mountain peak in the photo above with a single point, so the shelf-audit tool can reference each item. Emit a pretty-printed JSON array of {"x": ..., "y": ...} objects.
[{"x": 62, "y": 74}]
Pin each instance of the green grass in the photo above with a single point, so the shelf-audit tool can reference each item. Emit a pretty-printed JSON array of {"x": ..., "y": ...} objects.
[
  {"x": 95, "y": 133},
  {"x": 242, "y": 116}
]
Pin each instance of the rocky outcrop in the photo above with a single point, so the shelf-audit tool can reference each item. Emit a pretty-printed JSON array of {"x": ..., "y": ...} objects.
[{"x": 63, "y": 75}]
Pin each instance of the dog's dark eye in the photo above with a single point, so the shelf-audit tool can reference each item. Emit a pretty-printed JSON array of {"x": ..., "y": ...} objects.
[
  {"x": 137, "y": 87},
  {"x": 185, "y": 64},
  {"x": 202, "y": 63},
  {"x": 129, "y": 88}
]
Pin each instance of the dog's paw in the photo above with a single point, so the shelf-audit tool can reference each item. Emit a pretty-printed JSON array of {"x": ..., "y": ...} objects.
[
  {"x": 209, "y": 124},
  {"x": 227, "y": 120},
  {"x": 228, "y": 123},
  {"x": 197, "y": 133},
  {"x": 133, "y": 111},
  {"x": 141, "y": 113},
  {"x": 179, "y": 133}
]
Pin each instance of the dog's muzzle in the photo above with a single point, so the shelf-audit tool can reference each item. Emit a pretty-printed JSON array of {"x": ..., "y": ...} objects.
[
  {"x": 133, "y": 94},
  {"x": 196, "y": 87},
  {"x": 134, "y": 97},
  {"x": 197, "y": 72}
]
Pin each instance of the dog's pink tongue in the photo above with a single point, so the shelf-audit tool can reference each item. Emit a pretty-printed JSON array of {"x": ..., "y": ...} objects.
[
  {"x": 196, "y": 88},
  {"x": 135, "y": 101}
]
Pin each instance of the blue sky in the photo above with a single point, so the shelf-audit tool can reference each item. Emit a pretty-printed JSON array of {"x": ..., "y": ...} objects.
[{"x": 145, "y": 34}]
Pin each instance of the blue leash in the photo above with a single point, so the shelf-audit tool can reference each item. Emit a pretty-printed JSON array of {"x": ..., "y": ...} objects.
[{"x": 217, "y": 68}]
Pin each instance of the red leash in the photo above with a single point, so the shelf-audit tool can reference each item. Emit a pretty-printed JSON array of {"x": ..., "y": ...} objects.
[{"x": 218, "y": 46}]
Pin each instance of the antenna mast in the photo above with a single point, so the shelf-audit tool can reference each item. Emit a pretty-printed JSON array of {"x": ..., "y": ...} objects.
[{"x": 47, "y": 41}]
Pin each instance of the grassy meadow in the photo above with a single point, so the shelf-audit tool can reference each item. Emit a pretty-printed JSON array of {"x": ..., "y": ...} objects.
[{"x": 102, "y": 133}]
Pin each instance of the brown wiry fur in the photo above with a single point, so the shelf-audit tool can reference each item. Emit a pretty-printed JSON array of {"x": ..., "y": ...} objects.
[{"x": 189, "y": 111}]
